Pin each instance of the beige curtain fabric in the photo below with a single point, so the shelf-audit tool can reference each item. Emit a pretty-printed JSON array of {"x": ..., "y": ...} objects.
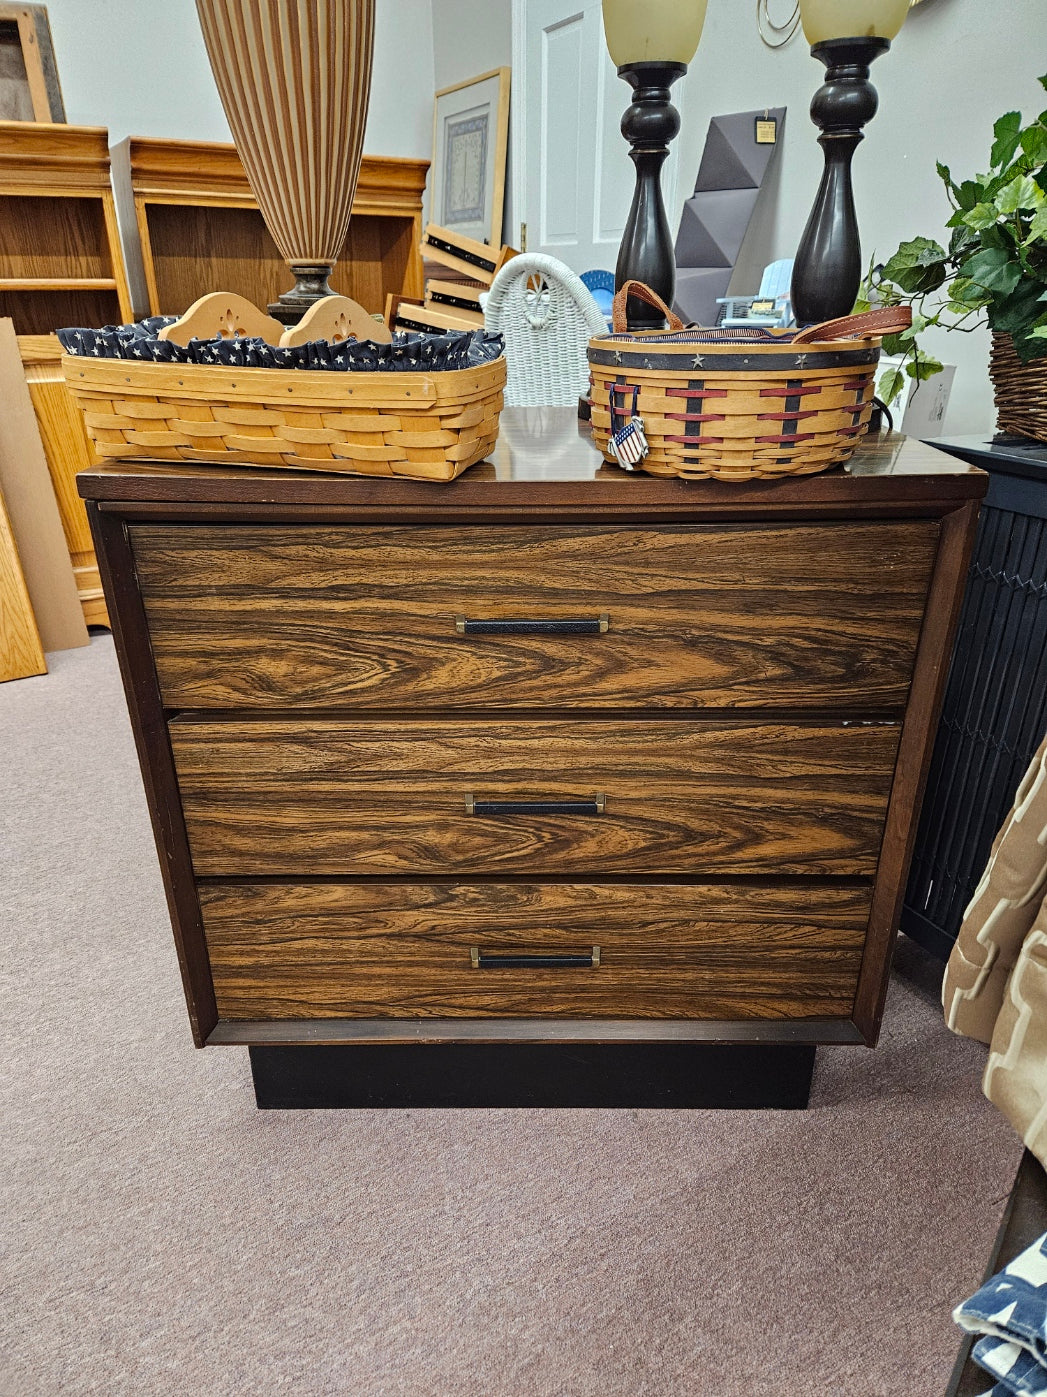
[{"x": 995, "y": 986}]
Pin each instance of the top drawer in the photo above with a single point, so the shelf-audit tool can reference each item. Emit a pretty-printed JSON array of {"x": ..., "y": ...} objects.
[{"x": 770, "y": 616}]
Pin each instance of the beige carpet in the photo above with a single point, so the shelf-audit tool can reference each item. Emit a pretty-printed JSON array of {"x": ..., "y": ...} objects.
[{"x": 160, "y": 1236}]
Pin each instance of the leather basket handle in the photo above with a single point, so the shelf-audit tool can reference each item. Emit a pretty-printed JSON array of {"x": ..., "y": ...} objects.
[
  {"x": 641, "y": 292},
  {"x": 889, "y": 320}
]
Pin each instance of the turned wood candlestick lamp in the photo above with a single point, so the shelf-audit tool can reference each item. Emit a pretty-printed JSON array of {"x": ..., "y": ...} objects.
[
  {"x": 651, "y": 42},
  {"x": 295, "y": 81},
  {"x": 847, "y": 36}
]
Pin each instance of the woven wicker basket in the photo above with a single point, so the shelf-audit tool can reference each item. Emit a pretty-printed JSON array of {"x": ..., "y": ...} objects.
[
  {"x": 1020, "y": 390},
  {"x": 738, "y": 404},
  {"x": 429, "y": 426}
]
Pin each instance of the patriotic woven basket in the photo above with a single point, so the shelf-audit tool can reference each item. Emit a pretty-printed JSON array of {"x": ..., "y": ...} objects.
[{"x": 734, "y": 404}]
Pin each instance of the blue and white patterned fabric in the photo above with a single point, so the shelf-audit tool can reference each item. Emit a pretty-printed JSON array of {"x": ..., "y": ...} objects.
[
  {"x": 408, "y": 352},
  {"x": 1011, "y": 1311},
  {"x": 1015, "y": 1367}
]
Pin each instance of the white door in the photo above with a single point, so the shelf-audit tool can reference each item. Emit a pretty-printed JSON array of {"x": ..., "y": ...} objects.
[{"x": 573, "y": 178}]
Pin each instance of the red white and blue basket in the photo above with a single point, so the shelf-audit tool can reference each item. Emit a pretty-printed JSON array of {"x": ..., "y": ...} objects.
[{"x": 734, "y": 404}]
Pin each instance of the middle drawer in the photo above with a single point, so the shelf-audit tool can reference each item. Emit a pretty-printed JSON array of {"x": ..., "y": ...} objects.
[{"x": 342, "y": 798}]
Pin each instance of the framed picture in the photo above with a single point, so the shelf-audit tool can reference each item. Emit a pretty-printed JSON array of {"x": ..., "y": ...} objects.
[{"x": 470, "y": 139}]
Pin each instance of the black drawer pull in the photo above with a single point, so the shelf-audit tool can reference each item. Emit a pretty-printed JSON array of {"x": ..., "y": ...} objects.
[
  {"x": 596, "y": 806},
  {"x": 480, "y": 960},
  {"x": 596, "y": 625}
]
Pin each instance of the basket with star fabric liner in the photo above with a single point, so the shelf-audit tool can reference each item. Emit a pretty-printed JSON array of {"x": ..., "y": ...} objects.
[
  {"x": 397, "y": 409},
  {"x": 734, "y": 403}
]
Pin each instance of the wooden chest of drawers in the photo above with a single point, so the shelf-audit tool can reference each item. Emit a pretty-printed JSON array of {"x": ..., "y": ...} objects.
[{"x": 552, "y": 753}]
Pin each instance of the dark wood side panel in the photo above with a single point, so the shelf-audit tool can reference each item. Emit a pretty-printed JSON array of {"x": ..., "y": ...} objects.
[
  {"x": 349, "y": 797},
  {"x": 789, "y": 616},
  {"x": 148, "y": 723},
  {"x": 677, "y": 952},
  {"x": 914, "y": 756}
]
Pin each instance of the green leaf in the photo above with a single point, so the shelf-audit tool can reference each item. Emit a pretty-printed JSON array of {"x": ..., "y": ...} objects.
[
  {"x": 1007, "y": 132},
  {"x": 966, "y": 293},
  {"x": 1038, "y": 332},
  {"x": 1029, "y": 346},
  {"x": 894, "y": 346},
  {"x": 944, "y": 174},
  {"x": 918, "y": 266},
  {"x": 1038, "y": 226},
  {"x": 981, "y": 216},
  {"x": 963, "y": 242},
  {"x": 1034, "y": 142},
  {"x": 908, "y": 337},
  {"x": 969, "y": 192},
  {"x": 992, "y": 270},
  {"x": 891, "y": 384},
  {"x": 922, "y": 367},
  {"x": 1043, "y": 81},
  {"x": 999, "y": 236},
  {"x": 1019, "y": 310},
  {"x": 1022, "y": 193}
]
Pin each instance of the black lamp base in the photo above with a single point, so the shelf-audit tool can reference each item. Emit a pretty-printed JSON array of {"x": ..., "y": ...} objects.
[
  {"x": 646, "y": 253},
  {"x": 828, "y": 267}
]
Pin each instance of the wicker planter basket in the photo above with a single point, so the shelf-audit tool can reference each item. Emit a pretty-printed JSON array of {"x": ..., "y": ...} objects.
[
  {"x": 429, "y": 426},
  {"x": 1020, "y": 390},
  {"x": 738, "y": 404}
]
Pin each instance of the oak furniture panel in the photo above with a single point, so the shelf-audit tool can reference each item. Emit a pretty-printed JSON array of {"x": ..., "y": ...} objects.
[
  {"x": 311, "y": 722},
  {"x": 21, "y": 653},
  {"x": 338, "y": 798},
  {"x": 68, "y": 451},
  {"x": 786, "y": 616},
  {"x": 404, "y": 950},
  {"x": 200, "y": 230},
  {"x": 61, "y": 261},
  {"x": 32, "y": 508}
]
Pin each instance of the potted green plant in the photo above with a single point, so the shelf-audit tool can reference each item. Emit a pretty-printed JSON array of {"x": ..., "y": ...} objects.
[{"x": 994, "y": 270}]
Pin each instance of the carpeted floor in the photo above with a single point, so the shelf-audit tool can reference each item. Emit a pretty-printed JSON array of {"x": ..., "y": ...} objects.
[{"x": 160, "y": 1236}]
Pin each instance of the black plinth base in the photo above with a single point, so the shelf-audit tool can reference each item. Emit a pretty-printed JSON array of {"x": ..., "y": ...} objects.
[{"x": 676, "y": 1076}]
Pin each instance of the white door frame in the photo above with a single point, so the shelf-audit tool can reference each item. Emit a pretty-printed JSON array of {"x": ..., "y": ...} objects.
[
  {"x": 519, "y": 119},
  {"x": 670, "y": 173}
]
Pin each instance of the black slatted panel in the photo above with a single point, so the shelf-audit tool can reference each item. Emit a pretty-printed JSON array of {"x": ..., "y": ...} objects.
[{"x": 995, "y": 710}]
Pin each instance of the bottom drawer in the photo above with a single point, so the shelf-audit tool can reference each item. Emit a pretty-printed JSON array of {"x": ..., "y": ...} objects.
[{"x": 666, "y": 951}]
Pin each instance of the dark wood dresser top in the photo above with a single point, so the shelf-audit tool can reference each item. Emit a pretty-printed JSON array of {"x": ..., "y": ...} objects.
[{"x": 546, "y": 458}]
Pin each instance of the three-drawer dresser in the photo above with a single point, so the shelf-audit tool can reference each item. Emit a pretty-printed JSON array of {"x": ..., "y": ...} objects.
[{"x": 552, "y": 784}]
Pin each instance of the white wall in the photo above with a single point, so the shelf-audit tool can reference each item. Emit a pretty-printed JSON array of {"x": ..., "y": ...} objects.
[
  {"x": 140, "y": 68},
  {"x": 955, "y": 67},
  {"x": 471, "y": 37}
]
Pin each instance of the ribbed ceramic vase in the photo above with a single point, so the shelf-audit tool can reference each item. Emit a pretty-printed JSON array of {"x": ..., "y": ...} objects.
[{"x": 294, "y": 77}]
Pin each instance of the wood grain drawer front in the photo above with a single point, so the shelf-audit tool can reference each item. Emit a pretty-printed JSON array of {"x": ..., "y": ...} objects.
[
  {"x": 325, "y": 797},
  {"x": 271, "y": 616},
  {"x": 372, "y": 950}
]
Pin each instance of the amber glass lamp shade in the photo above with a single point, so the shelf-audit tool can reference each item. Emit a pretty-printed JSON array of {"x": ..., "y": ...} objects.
[
  {"x": 653, "y": 31},
  {"x": 852, "y": 19}
]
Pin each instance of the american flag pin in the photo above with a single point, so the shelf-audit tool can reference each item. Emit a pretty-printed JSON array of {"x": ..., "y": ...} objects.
[{"x": 629, "y": 444}]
